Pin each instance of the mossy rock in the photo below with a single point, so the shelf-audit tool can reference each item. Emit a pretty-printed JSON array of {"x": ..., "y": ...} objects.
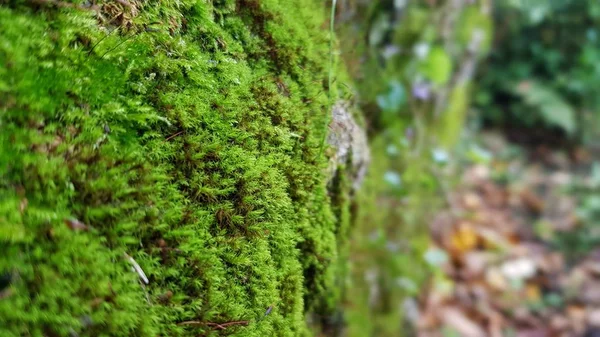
[{"x": 186, "y": 134}]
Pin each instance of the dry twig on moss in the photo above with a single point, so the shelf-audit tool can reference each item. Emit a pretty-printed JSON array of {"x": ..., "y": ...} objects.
[{"x": 219, "y": 326}]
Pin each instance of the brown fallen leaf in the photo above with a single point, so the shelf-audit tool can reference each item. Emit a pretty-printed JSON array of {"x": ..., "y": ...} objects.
[
  {"x": 533, "y": 202},
  {"x": 533, "y": 292},
  {"x": 551, "y": 262},
  {"x": 472, "y": 201},
  {"x": 593, "y": 317},
  {"x": 463, "y": 239},
  {"x": 590, "y": 292},
  {"x": 496, "y": 279},
  {"x": 495, "y": 325},
  {"x": 166, "y": 297},
  {"x": 577, "y": 317},
  {"x": 76, "y": 225},
  {"x": 461, "y": 323},
  {"x": 537, "y": 332},
  {"x": 475, "y": 263},
  {"x": 559, "y": 322},
  {"x": 494, "y": 195}
]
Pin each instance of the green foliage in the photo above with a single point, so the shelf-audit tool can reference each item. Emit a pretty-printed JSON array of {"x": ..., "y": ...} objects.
[
  {"x": 553, "y": 45},
  {"x": 585, "y": 237},
  {"x": 185, "y": 134},
  {"x": 437, "y": 67},
  {"x": 553, "y": 109}
]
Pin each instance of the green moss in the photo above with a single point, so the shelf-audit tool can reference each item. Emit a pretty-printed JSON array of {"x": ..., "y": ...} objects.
[{"x": 185, "y": 134}]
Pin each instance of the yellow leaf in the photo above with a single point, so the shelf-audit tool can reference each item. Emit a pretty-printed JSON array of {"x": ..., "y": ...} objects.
[
  {"x": 533, "y": 293},
  {"x": 464, "y": 239}
]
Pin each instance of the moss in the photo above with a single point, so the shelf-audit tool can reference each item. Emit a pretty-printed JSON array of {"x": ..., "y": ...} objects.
[{"x": 185, "y": 134}]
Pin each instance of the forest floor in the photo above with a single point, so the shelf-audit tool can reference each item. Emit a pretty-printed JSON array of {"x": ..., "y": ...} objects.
[{"x": 516, "y": 249}]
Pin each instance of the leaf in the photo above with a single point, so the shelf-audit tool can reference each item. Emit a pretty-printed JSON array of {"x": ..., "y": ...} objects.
[
  {"x": 464, "y": 239},
  {"x": 437, "y": 67},
  {"x": 462, "y": 324},
  {"x": 393, "y": 100},
  {"x": 553, "y": 108}
]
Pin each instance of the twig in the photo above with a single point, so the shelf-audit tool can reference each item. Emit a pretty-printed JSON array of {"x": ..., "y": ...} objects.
[
  {"x": 173, "y": 135},
  {"x": 217, "y": 325},
  {"x": 102, "y": 39},
  {"x": 225, "y": 325},
  {"x": 117, "y": 46},
  {"x": 191, "y": 323},
  {"x": 220, "y": 326}
]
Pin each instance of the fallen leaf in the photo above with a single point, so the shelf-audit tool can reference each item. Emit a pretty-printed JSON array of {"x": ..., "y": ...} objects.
[
  {"x": 533, "y": 202},
  {"x": 76, "y": 225},
  {"x": 496, "y": 279},
  {"x": 590, "y": 293},
  {"x": 538, "y": 332},
  {"x": 533, "y": 292},
  {"x": 558, "y": 322},
  {"x": 577, "y": 318},
  {"x": 519, "y": 269},
  {"x": 464, "y": 239},
  {"x": 472, "y": 201},
  {"x": 593, "y": 317},
  {"x": 496, "y": 322},
  {"x": 465, "y": 326},
  {"x": 475, "y": 263}
]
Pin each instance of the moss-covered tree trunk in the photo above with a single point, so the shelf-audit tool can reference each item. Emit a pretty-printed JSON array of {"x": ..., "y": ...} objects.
[{"x": 162, "y": 170}]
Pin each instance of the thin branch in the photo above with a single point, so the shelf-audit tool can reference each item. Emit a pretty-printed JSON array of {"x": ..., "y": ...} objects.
[
  {"x": 117, "y": 46},
  {"x": 102, "y": 39},
  {"x": 219, "y": 326},
  {"x": 225, "y": 325},
  {"x": 174, "y": 135},
  {"x": 216, "y": 325}
]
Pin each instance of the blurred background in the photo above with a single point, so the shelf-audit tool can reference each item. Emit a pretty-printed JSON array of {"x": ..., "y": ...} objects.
[{"x": 480, "y": 214}]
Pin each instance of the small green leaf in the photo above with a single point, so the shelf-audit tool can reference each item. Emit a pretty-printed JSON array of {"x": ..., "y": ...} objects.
[
  {"x": 552, "y": 107},
  {"x": 437, "y": 67}
]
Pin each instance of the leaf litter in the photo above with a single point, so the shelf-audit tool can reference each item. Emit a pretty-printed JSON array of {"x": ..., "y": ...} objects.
[{"x": 501, "y": 273}]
